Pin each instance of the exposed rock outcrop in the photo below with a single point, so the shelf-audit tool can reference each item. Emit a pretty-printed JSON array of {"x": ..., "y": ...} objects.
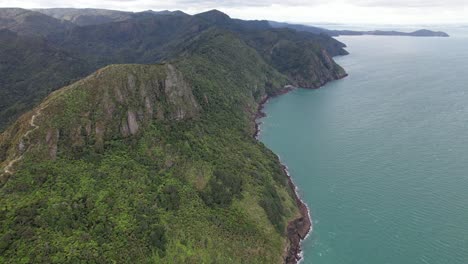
[
  {"x": 317, "y": 71},
  {"x": 297, "y": 230},
  {"x": 133, "y": 94}
]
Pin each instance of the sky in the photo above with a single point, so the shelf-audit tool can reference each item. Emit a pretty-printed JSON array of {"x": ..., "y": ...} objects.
[{"x": 304, "y": 11}]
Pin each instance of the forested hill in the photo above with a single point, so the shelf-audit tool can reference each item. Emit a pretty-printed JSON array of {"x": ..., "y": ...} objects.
[
  {"x": 150, "y": 158},
  {"x": 146, "y": 37}
]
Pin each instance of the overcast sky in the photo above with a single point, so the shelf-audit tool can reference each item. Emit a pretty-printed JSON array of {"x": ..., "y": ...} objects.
[{"x": 337, "y": 11}]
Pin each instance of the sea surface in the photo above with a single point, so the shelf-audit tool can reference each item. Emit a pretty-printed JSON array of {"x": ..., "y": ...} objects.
[{"x": 381, "y": 157}]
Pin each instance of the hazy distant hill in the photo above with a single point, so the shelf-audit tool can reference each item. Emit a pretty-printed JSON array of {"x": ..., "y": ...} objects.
[
  {"x": 83, "y": 17},
  {"x": 335, "y": 33},
  {"x": 27, "y": 22},
  {"x": 90, "y": 16}
]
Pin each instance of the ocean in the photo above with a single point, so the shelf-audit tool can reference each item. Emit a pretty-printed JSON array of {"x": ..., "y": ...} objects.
[{"x": 381, "y": 157}]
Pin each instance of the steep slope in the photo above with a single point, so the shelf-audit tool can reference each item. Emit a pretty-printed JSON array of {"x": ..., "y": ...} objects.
[
  {"x": 305, "y": 61},
  {"x": 149, "y": 163},
  {"x": 27, "y": 22},
  {"x": 140, "y": 40},
  {"x": 304, "y": 57},
  {"x": 30, "y": 68}
]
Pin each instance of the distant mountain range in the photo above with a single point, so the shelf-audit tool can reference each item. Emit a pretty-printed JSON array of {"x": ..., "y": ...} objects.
[
  {"x": 27, "y": 22},
  {"x": 336, "y": 33},
  {"x": 90, "y": 16},
  {"x": 83, "y": 17}
]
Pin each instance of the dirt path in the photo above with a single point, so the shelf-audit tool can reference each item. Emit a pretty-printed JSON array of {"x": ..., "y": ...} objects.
[{"x": 8, "y": 168}]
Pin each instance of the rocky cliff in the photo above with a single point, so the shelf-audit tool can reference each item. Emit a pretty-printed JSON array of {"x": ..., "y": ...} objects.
[{"x": 114, "y": 102}]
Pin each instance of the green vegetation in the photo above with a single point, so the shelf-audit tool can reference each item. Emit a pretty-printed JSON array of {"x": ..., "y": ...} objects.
[
  {"x": 31, "y": 68},
  {"x": 150, "y": 163},
  {"x": 197, "y": 190},
  {"x": 31, "y": 23}
]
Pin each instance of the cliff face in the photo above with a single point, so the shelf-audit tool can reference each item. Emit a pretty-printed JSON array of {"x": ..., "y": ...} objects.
[
  {"x": 115, "y": 102},
  {"x": 303, "y": 59},
  {"x": 307, "y": 69}
]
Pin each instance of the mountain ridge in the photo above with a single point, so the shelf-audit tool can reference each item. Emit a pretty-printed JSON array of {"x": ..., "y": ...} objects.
[
  {"x": 145, "y": 39},
  {"x": 93, "y": 16},
  {"x": 27, "y": 22}
]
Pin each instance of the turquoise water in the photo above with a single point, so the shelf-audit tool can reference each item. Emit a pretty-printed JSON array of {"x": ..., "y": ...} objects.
[{"x": 381, "y": 157}]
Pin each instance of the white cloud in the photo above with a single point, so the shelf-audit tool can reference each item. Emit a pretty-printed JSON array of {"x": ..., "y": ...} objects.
[
  {"x": 412, "y": 3},
  {"x": 340, "y": 11}
]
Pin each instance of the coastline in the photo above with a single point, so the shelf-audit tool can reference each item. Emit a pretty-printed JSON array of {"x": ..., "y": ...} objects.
[
  {"x": 261, "y": 105},
  {"x": 299, "y": 228}
]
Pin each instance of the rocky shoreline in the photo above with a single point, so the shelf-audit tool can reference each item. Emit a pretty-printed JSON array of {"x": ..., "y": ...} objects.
[
  {"x": 261, "y": 105},
  {"x": 299, "y": 228}
]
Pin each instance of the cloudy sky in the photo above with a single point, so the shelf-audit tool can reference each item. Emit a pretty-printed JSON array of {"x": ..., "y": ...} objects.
[{"x": 335, "y": 11}]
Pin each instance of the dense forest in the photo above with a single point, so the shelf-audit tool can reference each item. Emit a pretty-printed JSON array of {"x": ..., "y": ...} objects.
[{"x": 150, "y": 158}]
